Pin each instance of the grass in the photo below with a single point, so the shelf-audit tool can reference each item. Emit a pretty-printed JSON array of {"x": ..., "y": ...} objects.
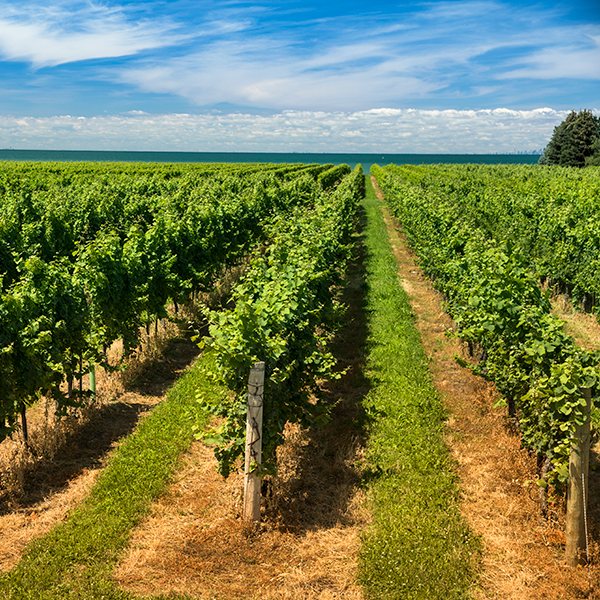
[
  {"x": 75, "y": 560},
  {"x": 419, "y": 546}
]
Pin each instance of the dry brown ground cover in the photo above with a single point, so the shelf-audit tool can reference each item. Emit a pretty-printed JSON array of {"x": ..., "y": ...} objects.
[
  {"x": 582, "y": 326},
  {"x": 307, "y": 546},
  {"x": 40, "y": 484},
  {"x": 523, "y": 554}
]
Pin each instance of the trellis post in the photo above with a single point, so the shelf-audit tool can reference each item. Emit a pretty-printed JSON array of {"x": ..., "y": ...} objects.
[
  {"x": 577, "y": 493},
  {"x": 253, "y": 460},
  {"x": 93, "y": 379}
]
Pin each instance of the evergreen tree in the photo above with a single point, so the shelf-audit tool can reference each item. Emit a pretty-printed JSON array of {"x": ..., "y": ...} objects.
[
  {"x": 594, "y": 160},
  {"x": 573, "y": 141}
]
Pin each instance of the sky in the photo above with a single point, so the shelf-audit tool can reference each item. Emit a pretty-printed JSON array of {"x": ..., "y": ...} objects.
[{"x": 452, "y": 76}]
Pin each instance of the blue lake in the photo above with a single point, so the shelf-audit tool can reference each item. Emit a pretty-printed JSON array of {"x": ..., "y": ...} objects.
[{"x": 265, "y": 157}]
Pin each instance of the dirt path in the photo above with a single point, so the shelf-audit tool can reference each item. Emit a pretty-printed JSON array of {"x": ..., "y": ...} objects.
[{"x": 522, "y": 553}]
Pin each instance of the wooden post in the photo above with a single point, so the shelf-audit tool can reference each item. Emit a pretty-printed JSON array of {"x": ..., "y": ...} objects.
[
  {"x": 24, "y": 423},
  {"x": 577, "y": 493},
  {"x": 253, "y": 444},
  {"x": 93, "y": 379}
]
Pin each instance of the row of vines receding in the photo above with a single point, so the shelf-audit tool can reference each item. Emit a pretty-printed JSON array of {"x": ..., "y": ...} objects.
[
  {"x": 285, "y": 311},
  {"x": 487, "y": 235},
  {"x": 91, "y": 253}
]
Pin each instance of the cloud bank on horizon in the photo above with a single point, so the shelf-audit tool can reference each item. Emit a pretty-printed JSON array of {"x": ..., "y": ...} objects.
[
  {"x": 398, "y": 131},
  {"x": 437, "y": 76}
]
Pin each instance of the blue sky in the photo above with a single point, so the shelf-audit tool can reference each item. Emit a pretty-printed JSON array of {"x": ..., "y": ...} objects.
[{"x": 352, "y": 76}]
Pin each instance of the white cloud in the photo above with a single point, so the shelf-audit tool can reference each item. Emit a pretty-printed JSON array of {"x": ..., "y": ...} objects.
[
  {"x": 54, "y": 35},
  {"x": 375, "y": 130},
  {"x": 562, "y": 62},
  {"x": 230, "y": 72},
  {"x": 467, "y": 49}
]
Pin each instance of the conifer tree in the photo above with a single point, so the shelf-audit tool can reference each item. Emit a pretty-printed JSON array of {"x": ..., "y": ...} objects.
[
  {"x": 594, "y": 159},
  {"x": 574, "y": 141}
]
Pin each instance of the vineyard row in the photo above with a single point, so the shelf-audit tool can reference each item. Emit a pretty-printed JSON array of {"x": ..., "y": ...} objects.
[
  {"x": 89, "y": 253},
  {"x": 486, "y": 235},
  {"x": 285, "y": 311}
]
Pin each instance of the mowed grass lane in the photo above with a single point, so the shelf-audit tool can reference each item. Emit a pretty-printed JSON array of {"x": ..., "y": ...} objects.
[{"x": 419, "y": 546}]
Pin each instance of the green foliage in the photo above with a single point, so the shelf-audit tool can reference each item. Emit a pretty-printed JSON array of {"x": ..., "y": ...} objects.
[
  {"x": 89, "y": 253},
  {"x": 574, "y": 142},
  {"x": 285, "y": 311},
  {"x": 331, "y": 177},
  {"x": 481, "y": 247},
  {"x": 594, "y": 159}
]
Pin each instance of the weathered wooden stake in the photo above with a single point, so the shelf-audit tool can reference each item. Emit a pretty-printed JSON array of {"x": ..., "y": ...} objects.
[
  {"x": 577, "y": 492},
  {"x": 24, "y": 423},
  {"x": 254, "y": 421},
  {"x": 93, "y": 378}
]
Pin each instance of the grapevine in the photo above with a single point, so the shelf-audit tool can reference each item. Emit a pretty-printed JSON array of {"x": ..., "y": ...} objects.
[
  {"x": 285, "y": 311},
  {"x": 92, "y": 252},
  {"x": 459, "y": 228}
]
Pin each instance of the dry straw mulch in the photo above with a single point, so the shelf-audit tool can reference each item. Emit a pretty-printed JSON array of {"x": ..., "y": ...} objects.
[
  {"x": 194, "y": 541},
  {"x": 523, "y": 553}
]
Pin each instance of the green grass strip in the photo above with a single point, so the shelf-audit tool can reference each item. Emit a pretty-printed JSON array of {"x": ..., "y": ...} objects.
[
  {"x": 419, "y": 546},
  {"x": 76, "y": 559}
]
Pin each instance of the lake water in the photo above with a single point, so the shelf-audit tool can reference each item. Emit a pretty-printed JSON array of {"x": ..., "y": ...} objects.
[{"x": 265, "y": 157}]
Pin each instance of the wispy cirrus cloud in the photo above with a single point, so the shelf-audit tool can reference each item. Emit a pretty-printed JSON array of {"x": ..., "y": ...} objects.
[
  {"x": 443, "y": 50},
  {"x": 227, "y": 72},
  {"x": 568, "y": 61},
  {"x": 50, "y": 35}
]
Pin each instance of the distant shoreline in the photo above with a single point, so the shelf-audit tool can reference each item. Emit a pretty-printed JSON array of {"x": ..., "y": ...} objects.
[{"x": 352, "y": 159}]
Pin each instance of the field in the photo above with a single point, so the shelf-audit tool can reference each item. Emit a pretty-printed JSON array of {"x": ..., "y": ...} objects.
[{"x": 391, "y": 469}]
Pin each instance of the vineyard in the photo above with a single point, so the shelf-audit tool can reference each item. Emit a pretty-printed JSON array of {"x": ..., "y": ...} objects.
[
  {"x": 487, "y": 236},
  {"x": 92, "y": 253},
  {"x": 96, "y": 257}
]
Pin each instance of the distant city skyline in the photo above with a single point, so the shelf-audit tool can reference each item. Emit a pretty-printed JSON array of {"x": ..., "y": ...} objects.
[{"x": 453, "y": 76}]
